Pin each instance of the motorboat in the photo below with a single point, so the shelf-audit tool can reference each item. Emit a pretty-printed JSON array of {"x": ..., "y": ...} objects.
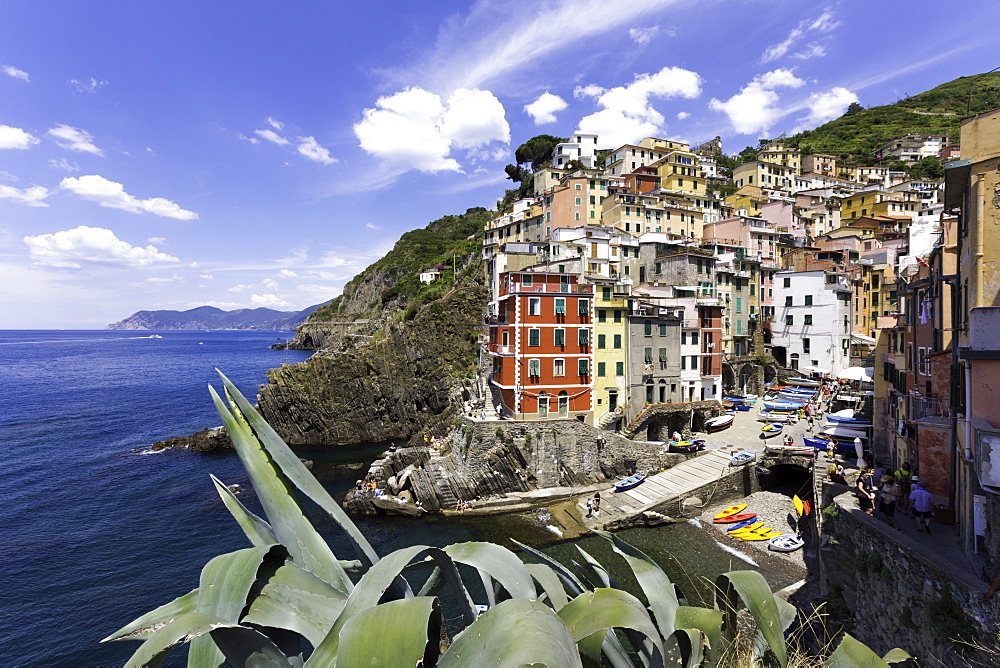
[
  {"x": 772, "y": 429},
  {"x": 803, "y": 382},
  {"x": 683, "y": 447},
  {"x": 731, "y": 510},
  {"x": 742, "y": 457},
  {"x": 743, "y": 407},
  {"x": 785, "y": 543},
  {"x": 630, "y": 482},
  {"x": 719, "y": 423}
]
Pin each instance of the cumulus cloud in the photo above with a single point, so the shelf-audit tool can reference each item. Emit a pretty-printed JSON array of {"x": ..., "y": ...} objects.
[
  {"x": 373, "y": 226},
  {"x": 681, "y": 115},
  {"x": 827, "y": 106},
  {"x": 71, "y": 249},
  {"x": 165, "y": 279},
  {"x": 822, "y": 25},
  {"x": 643, "y": 36},
  {"x": 288, "y": 273},
  {"x": 33, "y": 196},
  {"x": 89, "y": 86},
  {"x": 11, "y": 137},
  {"x": 271, "y": 136},
  {"x": 157, "y": 240},
  {"x": 628, "y": 114},
  {"x": 270, "y": 283},
  {"x": 12, "y": 71},
  {"x": 207, "y": 277},
  {"x": 267, "y": 301},
  {"x": 274, "y": 122},
  {"x": 753, "y": 109},
  {"x": 74, "y": 139},
  {"x": 64, "y": 164},
  {"x": 112, "y": 195},
  {"x": 543, "y": 109},
  {"x": 310, "y": 148},
  {"x": 415, "y": 129}
]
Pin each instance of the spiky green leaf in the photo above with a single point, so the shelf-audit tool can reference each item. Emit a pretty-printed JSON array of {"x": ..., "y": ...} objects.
[
  {"x": 257, "y": 529},
  {"x": 606, "y": 609},
  {"x": 750, "y": 588},
  {"x": 147, "y": 624},
  {"x": 851, "y": 653},
  {"x": 569, "y": 580},
  {"x": 550, "y": 584},
  {"x": 708, "y": 622},
  {"x": 500, "y": 563},
  {"x": 398, "y": 634},
  {"x": 183, "y": 628}
]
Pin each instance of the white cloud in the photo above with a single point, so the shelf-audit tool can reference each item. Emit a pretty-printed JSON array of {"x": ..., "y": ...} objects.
[
  {"x": 681, "y": 115},
  {"x": 753, "y": 110},
  {"x": 241, "y": 287},
  {"x": 270, "y": 284},
  {"x": 33, "y": 196},
  {"x": 827, "y": 106},
  {"x": 86, "y": 86},
  {"x": 252, "y": 140},
  {"x": 268, "y": 301},
  {"x": 643, "y": 36},
  {"x": 826, "y": 23},
  {"x": 71, "y": 249},
  {"x": 165, "y": 279},
  {"x": 416, "y": 130},
  {"x": 74, "y": 139},
  {"x": 543, "y": 109},
  {"x": 271, "y": 136},
  {"x": 11, "y": 137},
  {"x": 64, "y": 164},
  {"x": 207, "y": 277},
  {"x": 12, "y": 71},
  {"x": 628, "y": 114},
  {"x": 287, "y": 273},
  {"x": 156, "y": 240},
  {"x": 312, "y": 150},
  {"x": 274, "y": 122},
  {"x": 112, "y": 195},
  {"x": 373, "y": 226}
]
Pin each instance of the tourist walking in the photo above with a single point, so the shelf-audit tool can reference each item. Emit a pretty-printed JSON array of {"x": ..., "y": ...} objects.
[
  {"x": 597, "y": 502},
  {"x": 889, "y": 495},
  {"x": 902, "y": 476},
  {"x": 590, "y": 507},
  {"x": 866, "y": 500},
  {"x": 923, "y": 506}
]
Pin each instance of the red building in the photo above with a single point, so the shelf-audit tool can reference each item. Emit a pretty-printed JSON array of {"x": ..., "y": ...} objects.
[{"x": 540, "y": 341}]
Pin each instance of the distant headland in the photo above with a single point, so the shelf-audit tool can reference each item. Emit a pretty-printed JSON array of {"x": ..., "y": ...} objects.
[{"x": 210, "y": 317}]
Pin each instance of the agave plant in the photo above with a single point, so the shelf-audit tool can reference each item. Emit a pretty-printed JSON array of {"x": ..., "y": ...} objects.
[{"x": 289, "y": 601}]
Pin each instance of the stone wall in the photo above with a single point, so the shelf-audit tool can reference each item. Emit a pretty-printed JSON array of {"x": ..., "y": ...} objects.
[{"x": 897, "y": 594}]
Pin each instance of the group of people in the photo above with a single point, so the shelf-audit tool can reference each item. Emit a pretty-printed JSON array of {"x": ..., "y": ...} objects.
[
  {"x": 369, "y": 484},
  {"x": 901, "y": 490},
  {"x": 594, "y": 504}
]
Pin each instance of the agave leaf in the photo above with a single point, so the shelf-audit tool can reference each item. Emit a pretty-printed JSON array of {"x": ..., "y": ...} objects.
[
  {"x": 226, "y": 587},
  {"x": 249, "y": 647},
  {"x": 851, "y": 653},
  {"x": 570, "y": 581},
  {"x": 401, "y": 634},
  {"x": 434, "y": 583},
  {"x": 514, "y": 633},
  {"x": 590, "y": 648},
  {"x": 185, "y": 627},
  {"x": 655, "y": 584},
  {"x": 688, "y": 645},
  {"x": 597, "y": 571},
  {"x": 374, "y": 585},
  {"x": 585, "y": 577},
  {"x": 550, "y": 584},
  {"x": 295, "y": 471},
  {"x": 610, "y": 608},
  {"x": 288, "y": 518},
  {"x": 146, "y": 625},
  {"x": 708, "y": 622},
  {"x": 257, "y": 529},
  {"x": 752, "y": 589},
  {"x": 297, "y": 600}
]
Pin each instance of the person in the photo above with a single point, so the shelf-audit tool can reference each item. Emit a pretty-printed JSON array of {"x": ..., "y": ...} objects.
[
  {"x": 676, "y": 436},
  {"x": 829, "y": 448},
  {"x": 590, "y": 507},
  {"x": 902, "y": 476},
  {"x": 810, "y": 427},
  {"x": 889, "y": 494},
  {"x": 878, "y": 468},
  {"x": 836, "y": 474},
  {"x": 427, "y": 439},
  {"x": 923, "y": 506},
  {"x": 499, "y": 411},
  {"x": 866, "y": 500},
  {"x": 597, "y": 502}
]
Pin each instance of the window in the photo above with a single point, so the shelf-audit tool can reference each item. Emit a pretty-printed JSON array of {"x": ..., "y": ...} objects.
[
  {"x": 657, "y": 268},
  {"x": 739, "y": 305},
  {"x": 606, "y": 294},
  {"x": 789, "y": 320},
  {"x": 663, "y": 329},
  {"x": 694, "y": 361},
  {"x": 602, "y": 341},
  {"x": 683, "y": 363},
  {"x": 809, "y": 300},
  {"x": 560, "y": 306},
  {"x": 558, "y": 367},
  {"x": 694, "y": 338},
  {"x": 583, "y": 307},
  {"x": 601, "y": 368},
  {"x": 647, "y": 355},
  {"x": 662, "y": 354},
  {"x": 583, "y": 337},
  {"x": 807, "y": 319},
  {"x": 534, "y": 368},
  {"x": 559, "y": 337},
  {"x": 526, "y": 279},
  {"x": 618, "y": 316},
  {"x": 534, "y": 337},
  {"x": 805, "y": 345},
  {"x": 602, "y": 315},
  {"x": 534, "y": 306},
  {"x": 583, "y": 366},
  {"x": 619, "y": 368},
  {"x": 788, "y": 301},
  {"x": 787, "y": 282},
  {"x": 647, "y": 328},
  {"x": 578, "y": 201},
  {"x": 683, "y": 338},
  {"x": 618, "y": 341}
]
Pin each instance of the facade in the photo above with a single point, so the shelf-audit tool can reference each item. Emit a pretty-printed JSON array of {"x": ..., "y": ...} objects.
[
  {"x": 812, "y": 329},
  {"x": 581, "y": 147},
  {"x": 912, "y": 147}
]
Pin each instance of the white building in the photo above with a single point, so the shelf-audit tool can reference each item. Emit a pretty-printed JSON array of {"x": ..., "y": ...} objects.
[
  {"x": 581, "y": 146},
  {"x": 812, "y": 325}
]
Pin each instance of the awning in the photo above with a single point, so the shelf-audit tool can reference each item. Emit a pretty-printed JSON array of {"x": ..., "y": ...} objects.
[
  {"x": 857, "y": 373},
  {"x": 861, "y": 338}
]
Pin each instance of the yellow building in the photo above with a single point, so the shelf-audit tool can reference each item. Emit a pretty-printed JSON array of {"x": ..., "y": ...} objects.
[
  {"x": 765, "y": 175},
  {"x": 879, "y": 203},
  {"x": 750, "y": 198},
  {"x": 778, "y": 154},
  {"x": 610, "y": 349}
]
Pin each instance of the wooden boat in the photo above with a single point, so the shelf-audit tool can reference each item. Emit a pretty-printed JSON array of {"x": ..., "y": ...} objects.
[
  {"x": 731, "y": 510},
  {"x": 743, "y": 407},
  {"x": 803, "y": 382},
  {"x": 847, "y": 422},
  {"x": 790, "y": 450},
  {"x": 630, "y": 482},
  {"x": 844, "y": 432},
  {"x": 772, "y": 429},
  {"x": 736, "y": 530},
  {"x": 728, "y": 405},
  {"x": 742, "y": 457},
  {"x": 772, "y": 416},
  {"x": 719, "y": 423},
  {"x": 732, "y": 519},
  {"x": 785, "y": 543}
]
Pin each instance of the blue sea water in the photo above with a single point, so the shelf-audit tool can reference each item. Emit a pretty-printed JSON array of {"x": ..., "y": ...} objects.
[{"x": 95, "y": 530}]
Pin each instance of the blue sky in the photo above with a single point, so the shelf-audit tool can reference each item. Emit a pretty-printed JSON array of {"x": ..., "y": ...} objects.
[{"x": 167, "y": 155}]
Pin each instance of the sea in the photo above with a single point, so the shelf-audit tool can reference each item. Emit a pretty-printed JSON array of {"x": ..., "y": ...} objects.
[{"x": 97, "y": 529}]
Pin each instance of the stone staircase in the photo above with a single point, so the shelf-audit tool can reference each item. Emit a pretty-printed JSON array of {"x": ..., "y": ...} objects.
[{"x": 608, "y": 418}]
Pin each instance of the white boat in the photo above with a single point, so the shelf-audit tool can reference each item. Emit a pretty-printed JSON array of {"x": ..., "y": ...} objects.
[
  {"x": 742, "y": 457},
  {"x": 841, "y": 432},
  {"x": 803, "y": 382},
  {"x": 785, "y": 543},
  {"x": 770, "y": 416},
  {"x": 719, "y": 423}
]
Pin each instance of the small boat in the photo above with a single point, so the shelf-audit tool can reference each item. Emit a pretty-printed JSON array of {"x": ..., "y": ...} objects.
[
  {"x": 797, "y": 503},
  {"x": 728, "y": 405},
  {"x": 745, "y": 524},
  {"x": 742, "y": 457},
  {"x": 823, "y": 444},
  {"x": 783, "y": 405},
  {"x": 700, "y": 443},
  {"x": 847, "y": 412},
  {"x": 731, "y": 510},
  {"x": 803, "y": 382},
  {"x": 771, "y": 416},
  {"x": 630, "y": 482},
  {"x": 155, "y": 336},
  {"x": 772, "y": 429},
  {"x": 785, "y": 543},
  {"x": 750, "y": 526},
  {"x": 737, "y": 518},
  {"x": 682, "y": 447},
  {"x": 790, "y": 450},
  {"x": 719, "y": 423},
  {"x": 836, "y": 420},
  {"x": 843, "y": 432},
  {"x": 743, "y": 407}
]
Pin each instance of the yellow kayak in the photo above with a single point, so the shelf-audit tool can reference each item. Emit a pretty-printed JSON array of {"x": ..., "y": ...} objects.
[
  {"x": 747, "y": 529},
  {"x": 765, "y": 534},
  {"x": 797, "y": 502},
  {"x": 732, "y": 510}
]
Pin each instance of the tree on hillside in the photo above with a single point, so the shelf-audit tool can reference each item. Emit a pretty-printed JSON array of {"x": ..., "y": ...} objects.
[
  {"x": 516, "y": 173},
  {"x": 537, "y": 151},
  {"x": 853, "y": 108}
]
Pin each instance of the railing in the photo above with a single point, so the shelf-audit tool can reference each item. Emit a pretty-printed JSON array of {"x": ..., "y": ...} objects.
[
  {"x": 503, "y": 350},
  {"x": 927, "y": 408}
]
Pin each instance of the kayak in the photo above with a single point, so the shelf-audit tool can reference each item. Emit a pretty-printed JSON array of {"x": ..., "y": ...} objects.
[
  {"x": 731, "y": 510},
  {"x": 751, "y": 527},
  {"x": 797, "y": 502},
  {"x": 745, "y": 524},
  {"x": 766, "y": 534},
  {"x": 739, "y": 517}
]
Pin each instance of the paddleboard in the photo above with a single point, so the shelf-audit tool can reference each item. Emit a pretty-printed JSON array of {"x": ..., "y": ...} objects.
[{"x": 732, "y": 510}]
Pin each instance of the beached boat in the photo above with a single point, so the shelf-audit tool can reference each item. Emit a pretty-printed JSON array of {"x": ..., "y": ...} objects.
[
  {"x": 848, "y": 422},
  {"x": 771, "y": 416},
  {"x": 785, "y": 543},
  {"x": 630, "y": 482},
  {"x": 789, "y": 450},
  {"x": 743, "y": 407},
  {"x": 823, "y": 444},
  {"x": 719, "y": 423},
  {"x": 735, "y": 519},
  {"x": 682, "y": 447},
  {"x": 803, "y": 382},
  {"x": 843, "y": 432},
  {"x": 772, "y": 429},
  {"x": 763, "y": 534},
  {"x": 742, "y": 457},
  {"x": 783, "y": 405},
  {"x": 731, "y": 510}
]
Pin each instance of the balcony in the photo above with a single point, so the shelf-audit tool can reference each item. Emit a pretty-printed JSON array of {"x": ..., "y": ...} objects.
[{"x": 928, "y": 410}]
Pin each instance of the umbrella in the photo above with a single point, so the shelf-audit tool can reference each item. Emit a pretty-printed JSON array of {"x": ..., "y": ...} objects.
[{"x": 854, "y": 373}]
